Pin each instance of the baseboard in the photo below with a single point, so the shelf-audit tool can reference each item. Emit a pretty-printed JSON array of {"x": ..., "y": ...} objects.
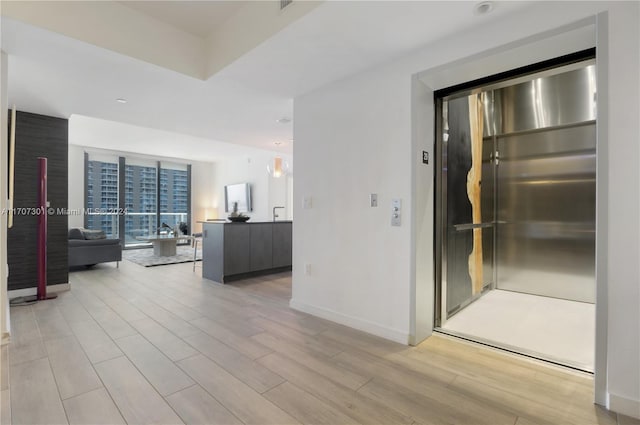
[
  {"x": 353, "y": 322},
  {"x": 623, "y": 405},
  {"x": 60, "y": 287}
]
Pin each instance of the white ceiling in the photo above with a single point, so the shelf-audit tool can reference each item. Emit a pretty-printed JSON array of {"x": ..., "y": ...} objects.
[
  {"x": 342, "y": 38},
  {"x": 103, "y": 134},
  {"x": 56, "y": 75},
  {"x": 199, "y": 18}
]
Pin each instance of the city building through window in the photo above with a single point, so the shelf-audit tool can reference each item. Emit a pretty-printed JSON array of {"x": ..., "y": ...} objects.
[{"x": 154, "y": 195}]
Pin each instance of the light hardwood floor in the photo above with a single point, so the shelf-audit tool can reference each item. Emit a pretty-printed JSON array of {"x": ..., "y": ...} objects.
[{"x": 163, "y": 346}]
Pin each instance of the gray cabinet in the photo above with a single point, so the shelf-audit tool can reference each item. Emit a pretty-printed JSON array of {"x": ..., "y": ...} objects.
[
  {"x": 237, "y": 250},
  {"x": 237, "y": 245},
  {"x": 261, "y": 246},
  {"x": 282, "y": 238}
]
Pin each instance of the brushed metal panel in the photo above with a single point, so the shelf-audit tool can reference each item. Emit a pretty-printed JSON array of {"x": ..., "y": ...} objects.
[
  {"x": 546, "y": 214},
  {"x": 458, "y": 244},
  {"x": 550, "y": 101}
]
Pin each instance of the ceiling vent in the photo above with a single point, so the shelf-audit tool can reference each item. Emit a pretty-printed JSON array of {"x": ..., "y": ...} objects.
[{"x": 285, "y": 3}]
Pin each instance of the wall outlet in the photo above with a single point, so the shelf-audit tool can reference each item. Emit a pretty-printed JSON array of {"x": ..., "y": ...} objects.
[
  {"x": 307, "y": 269},
  {"x": 373, "y": 199},
  {"x": 307, "y": 202}
]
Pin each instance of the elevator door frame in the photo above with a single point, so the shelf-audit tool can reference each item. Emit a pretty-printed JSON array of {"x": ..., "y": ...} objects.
[{"x": 590, "y": 32}]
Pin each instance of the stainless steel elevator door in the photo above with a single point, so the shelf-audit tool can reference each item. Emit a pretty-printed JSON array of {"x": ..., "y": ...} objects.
[
  {"x": 536, "y": 231},
  {"x": 460, "y": 225},
  {"x": 546, "y": 185},
  {"x": 546, "y": 212}
]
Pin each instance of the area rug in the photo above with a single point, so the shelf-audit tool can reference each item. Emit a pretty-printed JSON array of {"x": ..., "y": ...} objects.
[{"x": 145, "y": 257}]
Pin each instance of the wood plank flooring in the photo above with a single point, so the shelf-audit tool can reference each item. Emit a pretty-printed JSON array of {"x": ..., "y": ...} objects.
[{"x": 161, "y": 345}]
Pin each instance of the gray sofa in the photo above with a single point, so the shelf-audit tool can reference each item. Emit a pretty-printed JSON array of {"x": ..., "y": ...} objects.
[{"x": 89, "y": 247}]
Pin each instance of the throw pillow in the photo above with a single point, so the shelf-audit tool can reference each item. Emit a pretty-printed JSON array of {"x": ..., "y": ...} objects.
[
  {"x": 91, "y": 235},
  {"x": 75, "y": 233}
]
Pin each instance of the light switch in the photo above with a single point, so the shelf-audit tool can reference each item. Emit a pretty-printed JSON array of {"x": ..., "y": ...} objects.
[
  {"x": 373, "y": 199},
  {"x": 396, "y": 212}
]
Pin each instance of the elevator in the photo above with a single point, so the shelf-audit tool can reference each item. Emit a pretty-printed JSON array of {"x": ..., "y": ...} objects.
[{"x": 515, "y": 210}]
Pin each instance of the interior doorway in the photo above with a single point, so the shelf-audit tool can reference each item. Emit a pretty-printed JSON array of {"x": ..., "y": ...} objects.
[{"x": 515, "y": 210}]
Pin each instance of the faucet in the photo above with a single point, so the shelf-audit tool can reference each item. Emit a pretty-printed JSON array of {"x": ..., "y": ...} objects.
[{"x": 274, "y": 213}]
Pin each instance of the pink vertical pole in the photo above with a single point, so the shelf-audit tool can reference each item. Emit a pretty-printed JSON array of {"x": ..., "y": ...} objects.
[{"x": 42, "y": 229}]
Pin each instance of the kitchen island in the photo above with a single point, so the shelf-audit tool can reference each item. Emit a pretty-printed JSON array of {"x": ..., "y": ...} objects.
[{"x": 232, "y": 251}]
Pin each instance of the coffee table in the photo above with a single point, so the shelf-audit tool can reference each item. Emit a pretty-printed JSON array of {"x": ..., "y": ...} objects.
[{"x": 164, "y": 245}]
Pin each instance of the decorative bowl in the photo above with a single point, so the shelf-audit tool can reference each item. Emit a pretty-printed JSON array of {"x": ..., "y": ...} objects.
[{"x": 239, "y": 219}]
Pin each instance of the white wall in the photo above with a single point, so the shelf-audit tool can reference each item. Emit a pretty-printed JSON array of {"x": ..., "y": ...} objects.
[
  {"x": 354, "y": 137},
  {"x": 76, "y": 184},
  {"x": 202, "y": 193},
  {"x": 267, "y": 191},
  {"x": 623, "y": 356}
]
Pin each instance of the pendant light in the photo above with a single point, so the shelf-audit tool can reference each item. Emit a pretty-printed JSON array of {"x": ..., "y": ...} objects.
[{"x": 277, "y": 167}]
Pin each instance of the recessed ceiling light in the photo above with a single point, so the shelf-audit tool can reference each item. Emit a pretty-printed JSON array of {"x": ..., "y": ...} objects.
[
  {"x": 121, "y": 100},
  {"x": 284, "y": 120},
  {"x": 483, "y": 8}
]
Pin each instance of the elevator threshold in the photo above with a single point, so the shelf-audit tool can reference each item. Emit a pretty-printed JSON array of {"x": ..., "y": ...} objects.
[{"x": 554, "y": 330}]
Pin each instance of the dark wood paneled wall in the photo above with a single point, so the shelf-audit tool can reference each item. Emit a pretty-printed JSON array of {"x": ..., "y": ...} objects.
[{"x": 39, "y": 136}]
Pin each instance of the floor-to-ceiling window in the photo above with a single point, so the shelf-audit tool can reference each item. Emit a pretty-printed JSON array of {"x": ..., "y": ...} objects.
[
  {"x": 174, "y": 194},
  {"x": 129, "y": 197},
  {"x": 141, "y": 200},
  {"x": 102, "y": 194}
]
